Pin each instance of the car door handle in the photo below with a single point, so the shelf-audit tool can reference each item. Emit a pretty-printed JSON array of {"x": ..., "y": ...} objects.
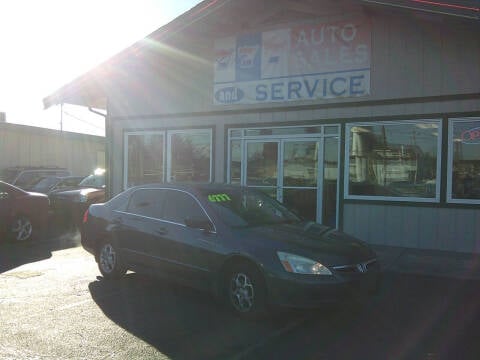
[
  {"x": 117, "y": 221},
  {"x": 161, "y": 231}
]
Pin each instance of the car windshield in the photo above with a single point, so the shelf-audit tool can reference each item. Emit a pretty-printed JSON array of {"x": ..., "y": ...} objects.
[
  {"x": 246, "y": 207},
  {"x": 8, "y": 175},
  {"x": 94, "y": 180},
  {"x": 45, "y": 184}
]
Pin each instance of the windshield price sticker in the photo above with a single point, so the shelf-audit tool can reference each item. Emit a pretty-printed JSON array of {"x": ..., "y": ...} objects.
[{"x": 219, "y": 198}]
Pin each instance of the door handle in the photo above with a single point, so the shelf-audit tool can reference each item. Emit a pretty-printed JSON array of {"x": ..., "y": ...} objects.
[
  {"x": 117, "y": 221},
  {"x": 161, "y": 231}
]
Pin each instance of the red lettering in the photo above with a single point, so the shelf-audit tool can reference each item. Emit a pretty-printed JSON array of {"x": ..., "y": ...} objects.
[{"x": 471, "y": 135}]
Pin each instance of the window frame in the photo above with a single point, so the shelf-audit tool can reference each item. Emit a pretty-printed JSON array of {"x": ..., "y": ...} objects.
[
  {"x": 451, "y": 123},
  {"x": 346, "y": 175},
  {"x": 167, "y": 150}
]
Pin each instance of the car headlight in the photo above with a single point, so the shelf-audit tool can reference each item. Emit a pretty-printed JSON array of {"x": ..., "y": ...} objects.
[
  {"x": 83, "y": 196},
  {"x": 301, "y": 265}
]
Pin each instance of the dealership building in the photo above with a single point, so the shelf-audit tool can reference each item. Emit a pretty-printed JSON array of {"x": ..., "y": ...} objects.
[{"x": 364, "y": 115}]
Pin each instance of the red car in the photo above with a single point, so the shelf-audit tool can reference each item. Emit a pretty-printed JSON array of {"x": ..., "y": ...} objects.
[{"x": 23, "y": 215}]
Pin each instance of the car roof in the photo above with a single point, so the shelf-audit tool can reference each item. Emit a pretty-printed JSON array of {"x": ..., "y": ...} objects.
[{"x": 188, "y": 186}]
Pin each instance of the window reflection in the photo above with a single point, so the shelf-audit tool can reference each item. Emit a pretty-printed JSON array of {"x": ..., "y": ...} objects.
[
  {"x": 466, "y": 160},
  {"x": 190, "y": 157},
  {"x": 145, "y": 159},
  {"x": 235, "y": 161},
  {"x": 262, "y": 163},
  {"x": 394, "y": 159},
  {"x": 300, "y": 163}
]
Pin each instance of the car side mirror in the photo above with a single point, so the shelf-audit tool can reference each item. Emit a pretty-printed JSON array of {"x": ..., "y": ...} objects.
[{"x": 199, "y": 223}]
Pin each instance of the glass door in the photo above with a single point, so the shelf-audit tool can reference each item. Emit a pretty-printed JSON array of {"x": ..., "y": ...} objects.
[
  {"x": 300, "y": 174},
  {"x": 299, "y": 170},
  {"x": 262, "y": 166}
]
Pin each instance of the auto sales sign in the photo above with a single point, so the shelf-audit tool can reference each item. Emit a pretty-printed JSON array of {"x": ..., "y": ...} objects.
[{"x": 322, "y": 60}]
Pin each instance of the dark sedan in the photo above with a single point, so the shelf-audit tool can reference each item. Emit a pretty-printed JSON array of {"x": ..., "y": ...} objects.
[
  {"x": 70, "y": 204},
  {"x": 237, "y": 242},
  {"x": 23, "y": 215},
  {"x": 49, "y": 184}
]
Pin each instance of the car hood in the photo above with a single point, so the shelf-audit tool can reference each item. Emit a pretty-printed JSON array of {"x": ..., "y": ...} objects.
[
  {"x": 36, "y": 194},
  {"x": 327, "y": 245},
  {"x": 68, "y": 194}
]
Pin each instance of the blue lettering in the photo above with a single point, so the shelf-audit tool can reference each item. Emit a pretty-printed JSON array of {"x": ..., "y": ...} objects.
[
  {"x": 311, "y": 91},
  {"x": 277, "y": 91},
  {"x": 294, "y": 88},
  {"x": 261, "y": 92},
  {"x": 356, "y": 82},
  {"x": 332, "y": 86}
]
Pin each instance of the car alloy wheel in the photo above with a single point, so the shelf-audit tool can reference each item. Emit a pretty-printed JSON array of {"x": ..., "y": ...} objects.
[
  {"x": 245, "y": 291},
  {"x": 109, "y": 261},
  {"x": 21, "y": 229},
  {"x": 108, "y": 258},
  {"x": 242, "y": 292}
]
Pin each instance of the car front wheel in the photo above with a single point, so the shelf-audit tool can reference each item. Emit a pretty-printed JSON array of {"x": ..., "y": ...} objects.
[
  {"x": 109, "y": 261},
  {"x": 245, "y": 291},
  {"x": 21, "y": 229}
]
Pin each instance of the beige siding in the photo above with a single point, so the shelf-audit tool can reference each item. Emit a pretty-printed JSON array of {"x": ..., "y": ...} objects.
[
  {"x": 30, "y": 146},
  {"x": 411, "y": 57},
  {"x": 415, "y": 227}
]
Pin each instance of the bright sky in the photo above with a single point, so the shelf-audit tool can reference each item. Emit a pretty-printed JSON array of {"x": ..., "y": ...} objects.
[{"x": 46, "y": 44}]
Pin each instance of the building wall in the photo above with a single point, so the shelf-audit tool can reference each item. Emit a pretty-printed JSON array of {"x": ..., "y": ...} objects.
[
  {"x": 31, "y": 146},
  {"x": 453, "y": 229},
  {"x": 422, "y": 66},
  {"x": 411, "y": 57}
]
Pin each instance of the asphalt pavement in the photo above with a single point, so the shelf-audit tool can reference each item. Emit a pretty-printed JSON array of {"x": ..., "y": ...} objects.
[
  {"x": 54, "y": 305},
  {"x": 445, "y": 264}
]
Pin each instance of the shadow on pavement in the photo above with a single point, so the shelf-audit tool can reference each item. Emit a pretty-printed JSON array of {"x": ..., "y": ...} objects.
[
  {"x": 413, "y": 317},
  {"x": 58, "y": 237},
  {"x": 180, "y": 322}
]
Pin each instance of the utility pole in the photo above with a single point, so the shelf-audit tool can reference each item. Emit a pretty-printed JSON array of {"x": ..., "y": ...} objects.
[{"x": 61, "y": 116}]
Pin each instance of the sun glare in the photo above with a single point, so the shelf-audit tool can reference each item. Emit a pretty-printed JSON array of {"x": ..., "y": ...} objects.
[{"x": 46, "y": 44}]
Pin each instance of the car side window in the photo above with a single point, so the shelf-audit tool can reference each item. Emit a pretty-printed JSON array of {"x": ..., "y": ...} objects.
[
  {"x": 147, "y": 202},
  {"x": 180, "y": 205}
]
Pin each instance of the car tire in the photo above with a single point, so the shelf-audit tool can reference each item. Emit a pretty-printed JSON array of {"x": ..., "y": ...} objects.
[
  {"x": 21, "y": 229},
  {"x": 245, "y": 291},
  {"x": 109, "y": 262}
]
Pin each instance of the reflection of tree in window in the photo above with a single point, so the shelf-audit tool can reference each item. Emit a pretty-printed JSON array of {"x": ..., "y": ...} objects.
[
  {"x": 145, "y": 159},
  {"x": 466, "y": 160},
  {"x": 393, "y": 159},
  {"x": 190, "y": 157}
]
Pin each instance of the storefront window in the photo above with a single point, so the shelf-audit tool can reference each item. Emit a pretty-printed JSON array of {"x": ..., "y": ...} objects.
[
  {"x": 190, "y": 157},
  {"x": 397, "y": 160},
  {"x": 188, "y": 160},
  {"x": 464, "y": 160},
  {"x": 145, "y": 158}
]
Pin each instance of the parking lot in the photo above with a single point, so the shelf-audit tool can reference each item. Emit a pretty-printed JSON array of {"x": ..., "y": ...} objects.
[{"x": 54, "y": 305}]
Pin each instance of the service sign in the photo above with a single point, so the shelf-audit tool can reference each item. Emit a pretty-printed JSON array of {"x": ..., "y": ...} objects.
[{"x": 311, "y": 61}]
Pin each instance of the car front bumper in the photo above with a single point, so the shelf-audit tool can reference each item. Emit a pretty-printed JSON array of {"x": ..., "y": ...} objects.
[{"x": 312, "y": 291}]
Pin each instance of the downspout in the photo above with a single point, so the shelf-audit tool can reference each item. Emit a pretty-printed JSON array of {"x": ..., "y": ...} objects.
[{"x": 108, "y": 146}]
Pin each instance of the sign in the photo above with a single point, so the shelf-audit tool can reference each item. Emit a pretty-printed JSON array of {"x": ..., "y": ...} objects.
[
  {"x": 471, "y": 136},
  {"x": 311, "y": 61}
]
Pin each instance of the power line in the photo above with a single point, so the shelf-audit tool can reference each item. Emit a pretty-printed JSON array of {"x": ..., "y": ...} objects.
[{"x": 84, "y": 121}]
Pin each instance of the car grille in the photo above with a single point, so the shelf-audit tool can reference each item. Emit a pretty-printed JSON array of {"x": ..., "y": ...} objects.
[{"x": 357, "y": 268}]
